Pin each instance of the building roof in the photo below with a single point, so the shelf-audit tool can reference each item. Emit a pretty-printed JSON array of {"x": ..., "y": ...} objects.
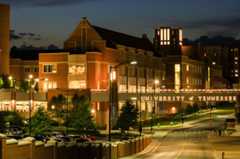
[
  {"x": 113, "y": 38},
  {"x": 33, "y": 54},
  {"x": 24, "y": 54}
]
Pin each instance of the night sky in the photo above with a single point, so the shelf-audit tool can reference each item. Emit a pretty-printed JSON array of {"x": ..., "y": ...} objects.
[{"x": 44, "y": 22}]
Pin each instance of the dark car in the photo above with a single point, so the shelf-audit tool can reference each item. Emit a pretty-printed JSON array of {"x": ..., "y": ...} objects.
[{"x": 41, "y": 137}]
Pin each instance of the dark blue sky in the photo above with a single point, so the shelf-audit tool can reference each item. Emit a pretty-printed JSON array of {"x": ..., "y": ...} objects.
[{"x": 51, "y": 21}]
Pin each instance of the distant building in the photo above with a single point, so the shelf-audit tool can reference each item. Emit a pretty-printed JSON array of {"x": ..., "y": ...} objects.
[
  {"x": 189, "y": 66},
  {"x": 168, "y": 41},
  {"x": 221, "y": 53},
  {"x": 232, "y": 64}
]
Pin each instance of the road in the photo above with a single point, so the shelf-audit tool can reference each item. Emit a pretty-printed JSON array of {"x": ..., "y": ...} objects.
[
  {"x": 179, "y": 144},
  {"x": 183, "y": 143},
  {"x": 192, "y": 141}
]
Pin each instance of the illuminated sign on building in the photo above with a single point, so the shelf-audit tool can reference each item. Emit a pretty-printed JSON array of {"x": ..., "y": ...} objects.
[{"x": 178, "y": 98}]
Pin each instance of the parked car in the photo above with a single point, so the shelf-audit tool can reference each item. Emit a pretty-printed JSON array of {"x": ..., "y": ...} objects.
[{"x": 41, "y": 138}]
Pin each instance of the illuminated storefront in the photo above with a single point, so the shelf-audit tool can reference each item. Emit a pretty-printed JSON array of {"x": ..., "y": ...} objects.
[{"x": 22, "y": 103}]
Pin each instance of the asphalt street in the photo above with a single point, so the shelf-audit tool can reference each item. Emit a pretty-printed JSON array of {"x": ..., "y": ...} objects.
[
  {"x": 188, "y": 142},
  {"x": 193, "y": 140},
  {"x": 179, "y": 144}
]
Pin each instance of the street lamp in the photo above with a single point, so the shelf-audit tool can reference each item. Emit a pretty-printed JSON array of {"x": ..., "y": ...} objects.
[
  {"x": 155, "y": 83},
  {"x": 30, "y": 78},
  {"x": 113, "y": 78},
  {"x": 45, "y": 85},
  {"x": 13, "y": 91}
]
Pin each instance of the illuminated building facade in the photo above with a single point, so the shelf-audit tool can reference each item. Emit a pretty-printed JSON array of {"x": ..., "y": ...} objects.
[
  {"x": 223, "y": 58},
  {"x": 232, "y": 71},
  {"x": 85, "y": 64},
  {"x": 89, "y": 52},
  {"x": 20, "y": 102},
  {"x": 188, "y": 66},
  {"x": 168, "y": 41},
  {"x": 4, "y": 38}
]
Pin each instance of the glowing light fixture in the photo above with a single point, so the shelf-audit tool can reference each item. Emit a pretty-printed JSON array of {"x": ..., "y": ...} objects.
[{"x": 133, "y": 62}]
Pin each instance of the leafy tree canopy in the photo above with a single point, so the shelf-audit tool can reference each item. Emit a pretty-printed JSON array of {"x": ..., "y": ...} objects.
[
  {"x": 80, "y": 116},
  {"x": 9, "y": 120},
  {"x": 128, "y": 117},
  {"x": 41, "y": 122}
]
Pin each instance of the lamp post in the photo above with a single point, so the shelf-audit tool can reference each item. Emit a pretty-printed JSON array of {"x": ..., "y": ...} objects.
[
  {"x": 30, "y": 78},
  {"x": 37, "y": 80},
  {"x": 13, "y": 91},
  {"x": 140, "y": 106},
  {"x": 67, "y": 115},
  {"x": 113, "y": 78},
  {"x": 156, "y": 82}
]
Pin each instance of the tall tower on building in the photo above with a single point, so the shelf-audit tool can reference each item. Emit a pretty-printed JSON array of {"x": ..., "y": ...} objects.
[
  {"x": 4, "y": 38},
  {"x": 168, "y": 41}
]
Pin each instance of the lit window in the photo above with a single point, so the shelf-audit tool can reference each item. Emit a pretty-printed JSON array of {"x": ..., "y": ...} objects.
[
  {"x": 235, "y": 58},
  {"x": 187, "y": 67},
  {"x": 213, "y": 63},
  {"x": 187, "y": 80},
  {"x": 236, "y": 75},
  {"x": 177, "y": 68},
  {"x": 165, "y": 34},
  {"x": 77, "y": 69},
  {"x": 77, "y": 84},
  {"x": 122, "y": 88},
  {"x": 161, "y": 35},
  {"x": 180, "y": 36},
  {"x": 177, "y": 76},
  {"x": 49, "y": 68},
  {"x": 50, "y": 85},
  {"x": 235, "y": 62},
  {"x": 168, "y": 34}
]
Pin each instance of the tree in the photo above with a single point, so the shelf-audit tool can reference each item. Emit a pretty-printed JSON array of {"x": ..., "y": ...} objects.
[
  {"x": 128, "y": 117},
  {"x": 80, "y": 116},
  {"x": 10, "y": 120},
  {"x": 58, "y": 102},
  {"x": 24, "y": 86},
  {"x": 4, "y": 82},
  {"x": 41, "y": 122}
]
